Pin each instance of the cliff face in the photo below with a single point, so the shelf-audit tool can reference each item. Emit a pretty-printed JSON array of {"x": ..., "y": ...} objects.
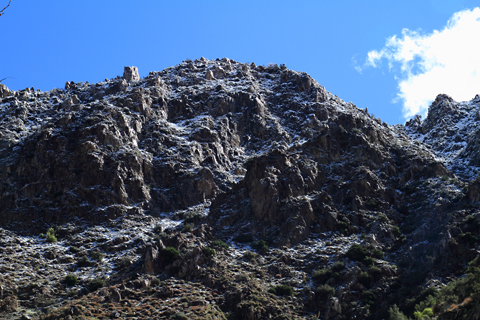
[
  {"x": 167, "y": 142},
  {"x": 251, "y": 155}
]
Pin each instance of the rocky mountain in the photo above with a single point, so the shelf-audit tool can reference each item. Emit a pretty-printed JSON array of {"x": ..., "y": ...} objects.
[{"x": 222, "y": 190}]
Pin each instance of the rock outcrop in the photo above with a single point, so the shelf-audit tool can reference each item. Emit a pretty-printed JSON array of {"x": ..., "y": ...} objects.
[
  {"x": 451, "y": 129},
  {"x": 131, "y": 74}
]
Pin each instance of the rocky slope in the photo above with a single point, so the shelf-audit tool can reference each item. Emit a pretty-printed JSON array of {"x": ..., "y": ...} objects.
[{"x": 222, "y": 190}]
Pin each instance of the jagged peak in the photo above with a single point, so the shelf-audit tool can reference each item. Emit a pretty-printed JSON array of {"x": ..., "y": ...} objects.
[{"x": 451, "y": 128}]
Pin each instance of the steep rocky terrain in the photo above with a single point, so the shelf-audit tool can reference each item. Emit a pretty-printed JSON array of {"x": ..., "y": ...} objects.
[{"x": 222, "y": 190}]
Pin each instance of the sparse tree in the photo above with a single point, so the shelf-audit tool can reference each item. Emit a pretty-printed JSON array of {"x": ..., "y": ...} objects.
[{"x": 8, "y": 5}]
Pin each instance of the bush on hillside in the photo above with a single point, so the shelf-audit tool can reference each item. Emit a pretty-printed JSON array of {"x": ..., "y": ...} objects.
[
  {"x": 281, "y": 290},
  {"x": 209, "y": 252},
  {"x": 325, "y": 291},
  {"x": 357, "y": 252},
  {"x": 322, "y": 275},
  {"x": 378, "y": 254},
  {"x": 261, "y": 246},
  {"x": 170, "y": 254},
  {"x": 51, "y": 235},
  {"x": 96, "y": 284},
  {"x": 220, "y": 244},
  {"x": 71, "y": 280},
  {"x": 249, "y": 255}
]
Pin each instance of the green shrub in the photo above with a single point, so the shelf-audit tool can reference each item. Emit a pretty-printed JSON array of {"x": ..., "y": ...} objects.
[
  {"x": 74, "y": 249},
  {"x": 468, "y": 238},
  {"x": 321, "y": 275},
  {"x": 158, "y": 228},
  {"x": 383, "y": 218},
  {"x": 335, "y": 276},
  {"x": 51, "y": 235},
  {"x": 220, "y": 244},
  {"x": 357, "y": 252},
  {"x": 97, "y": 255},
  {"x": 364, "y": 278},
  {"x": 83, "y": 261},
  {"x": 187, "y": 227},
  {"x": 170, "y": 254},
  {"x": 374, "y": 271},
  {"x": 155, "y": 282},
  {"x": 368, "y": 298},
  {"x": 368, "y": 261},
  {"x": 325, "y": 291},
  {"x": 179, "y": 316},
  {"x": 192, "y": 216},
  {"x": 249, "y": 255},
  {"x": 463, "y": 291},
  {"x": 469, "y": 219},
  {"x": 158, "y": 237},
  {"x": 337, "y": 266},
  {"x": 378, "y": 254},
  {"x": 281, "y": 290},
  {"x": 96, "y": 284},
  {"x": 209, "y": 252},
  {"x": 425, "y": 314},
  {"x": 395, "y": 314},
  {"x": 261, "y": 246},
  {"x": 71, "y": 280},
  {"x": 125, "y": 262},
  {"x": 396, "y": 231}
]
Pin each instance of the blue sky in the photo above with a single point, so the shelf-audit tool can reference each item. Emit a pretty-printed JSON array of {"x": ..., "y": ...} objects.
[{"x": 347, "y": 46}]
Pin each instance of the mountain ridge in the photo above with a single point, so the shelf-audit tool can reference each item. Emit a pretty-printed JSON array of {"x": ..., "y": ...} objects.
[{"x": 255, "y": 156}]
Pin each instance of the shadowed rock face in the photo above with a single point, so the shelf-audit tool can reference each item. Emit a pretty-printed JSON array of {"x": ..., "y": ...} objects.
[{"x": 244, "y": 153}]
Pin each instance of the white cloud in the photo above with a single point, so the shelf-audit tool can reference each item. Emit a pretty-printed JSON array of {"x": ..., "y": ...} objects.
[{"x": 446, "y": 61}]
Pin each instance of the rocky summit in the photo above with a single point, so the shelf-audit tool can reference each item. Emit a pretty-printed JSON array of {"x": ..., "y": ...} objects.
[{"x": 216, "y": 189}]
